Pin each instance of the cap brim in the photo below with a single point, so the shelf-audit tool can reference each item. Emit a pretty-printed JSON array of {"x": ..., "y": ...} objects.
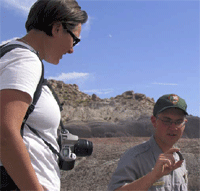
[{"x": 172, "y": 107}]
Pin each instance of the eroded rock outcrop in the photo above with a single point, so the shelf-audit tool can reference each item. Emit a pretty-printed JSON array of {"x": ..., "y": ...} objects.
[
  {"x": 83, "y": 107},
  {"x": 127, "y": 114}
]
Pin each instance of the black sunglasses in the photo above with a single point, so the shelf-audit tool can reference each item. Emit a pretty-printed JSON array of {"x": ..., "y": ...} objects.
[{"x": 76, "y": 40}]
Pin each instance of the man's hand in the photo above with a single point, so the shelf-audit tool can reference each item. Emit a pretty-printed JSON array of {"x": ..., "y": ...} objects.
[{"x": 166, "y": 163}]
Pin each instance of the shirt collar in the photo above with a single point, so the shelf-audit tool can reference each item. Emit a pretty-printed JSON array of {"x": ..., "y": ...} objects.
[{"x": 156, "y": 150}]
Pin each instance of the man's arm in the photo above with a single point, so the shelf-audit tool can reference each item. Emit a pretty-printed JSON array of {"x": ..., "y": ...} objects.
[{"x": 164, "y": 165}]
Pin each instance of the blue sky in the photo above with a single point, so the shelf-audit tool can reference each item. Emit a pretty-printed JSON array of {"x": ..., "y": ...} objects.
[{"x": 150, "y": 47}]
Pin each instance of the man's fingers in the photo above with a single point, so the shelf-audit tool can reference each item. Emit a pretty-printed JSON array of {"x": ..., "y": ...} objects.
[
  {"x": 172, "y": 150},
  {"x": 169, "y": 158},
  {"x": 177, "y": 164},
  {"x": 166, "y": 163}
]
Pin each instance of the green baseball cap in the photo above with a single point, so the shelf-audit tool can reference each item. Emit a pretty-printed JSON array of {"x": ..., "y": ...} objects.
[{"x": 169, "y": 101}]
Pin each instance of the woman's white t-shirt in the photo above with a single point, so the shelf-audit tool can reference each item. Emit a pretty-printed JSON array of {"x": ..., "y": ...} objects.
[{"x": 21, "y": 69}]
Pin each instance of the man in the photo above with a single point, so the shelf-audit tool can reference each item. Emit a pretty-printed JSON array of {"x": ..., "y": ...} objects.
[{"x": 156, "y": 164}]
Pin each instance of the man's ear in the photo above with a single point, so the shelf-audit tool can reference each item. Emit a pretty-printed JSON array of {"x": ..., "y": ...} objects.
[
  {"x": 153, "y": 120},
  {"x": 186, "y": 120}
]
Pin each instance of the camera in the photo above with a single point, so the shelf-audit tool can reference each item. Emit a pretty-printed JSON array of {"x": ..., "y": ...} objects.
[{"x": 71, "y": 147}]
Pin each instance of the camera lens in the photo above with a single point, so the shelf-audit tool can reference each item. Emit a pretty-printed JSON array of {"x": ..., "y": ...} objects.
[{"x": 83, "y": 148}]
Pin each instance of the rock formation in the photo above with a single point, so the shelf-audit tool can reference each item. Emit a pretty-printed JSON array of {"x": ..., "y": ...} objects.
[
  {"x": 114, "y": 125},
  {"x": 127, "y": 114}
]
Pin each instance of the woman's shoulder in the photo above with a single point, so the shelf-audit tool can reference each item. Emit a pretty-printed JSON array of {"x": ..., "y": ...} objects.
[
  {"x": 19, "y": 50},
  {"x": 20, "y": 69}
]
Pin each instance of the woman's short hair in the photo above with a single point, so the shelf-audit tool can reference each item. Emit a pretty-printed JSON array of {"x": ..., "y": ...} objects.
[{"x": 44, "y": 13}]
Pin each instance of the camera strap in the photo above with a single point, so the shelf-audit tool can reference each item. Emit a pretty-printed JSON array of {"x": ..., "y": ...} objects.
[
  {"x": 45, "y": 82},
  {"x": 48, "y": 144}
]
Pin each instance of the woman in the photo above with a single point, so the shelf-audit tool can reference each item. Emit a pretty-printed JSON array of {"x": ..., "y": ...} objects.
[{"x": 53, "y": 28}]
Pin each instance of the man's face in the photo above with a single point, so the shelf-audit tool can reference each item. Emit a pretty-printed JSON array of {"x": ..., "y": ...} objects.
[{"x": 166, "y": 132}]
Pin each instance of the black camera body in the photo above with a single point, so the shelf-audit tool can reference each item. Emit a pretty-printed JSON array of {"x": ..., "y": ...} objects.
[{"x": 71, "y": 147}]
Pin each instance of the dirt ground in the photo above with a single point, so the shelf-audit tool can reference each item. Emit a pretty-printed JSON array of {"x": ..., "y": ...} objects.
[{"x": 93, "y": 173}]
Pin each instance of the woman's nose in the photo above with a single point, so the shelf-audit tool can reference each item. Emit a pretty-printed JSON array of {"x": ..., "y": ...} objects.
[{"x": 71, "y": 50}]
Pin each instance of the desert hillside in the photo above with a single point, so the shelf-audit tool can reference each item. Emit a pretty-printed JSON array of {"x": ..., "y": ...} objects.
[
  {"x": 127, "y": 114},
  {"x": 114, "y": 125}
]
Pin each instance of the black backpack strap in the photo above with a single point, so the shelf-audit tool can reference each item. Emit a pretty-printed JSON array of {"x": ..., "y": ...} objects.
[
  {"x": 3, "y": 50},
  {"x": 45, "y": 82},
  {"x": 36, "y": 95},
  {"x": 7, "y": 48}
]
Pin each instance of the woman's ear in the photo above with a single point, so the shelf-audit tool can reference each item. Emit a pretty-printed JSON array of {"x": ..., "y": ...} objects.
[{"x": 56, "y": 28}]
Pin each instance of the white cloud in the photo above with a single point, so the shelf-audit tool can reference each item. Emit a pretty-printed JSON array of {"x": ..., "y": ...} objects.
[
  {"x": 165, "y": 84},
  {"x": 22, "y": 5},
  {"x": 87, "y": 25},
  {"x": 86, "y": 28},
  {"x": 99, "y": 91},
  {"x": 70, "y": 76},
  {"x": 110, "y": 35}
]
